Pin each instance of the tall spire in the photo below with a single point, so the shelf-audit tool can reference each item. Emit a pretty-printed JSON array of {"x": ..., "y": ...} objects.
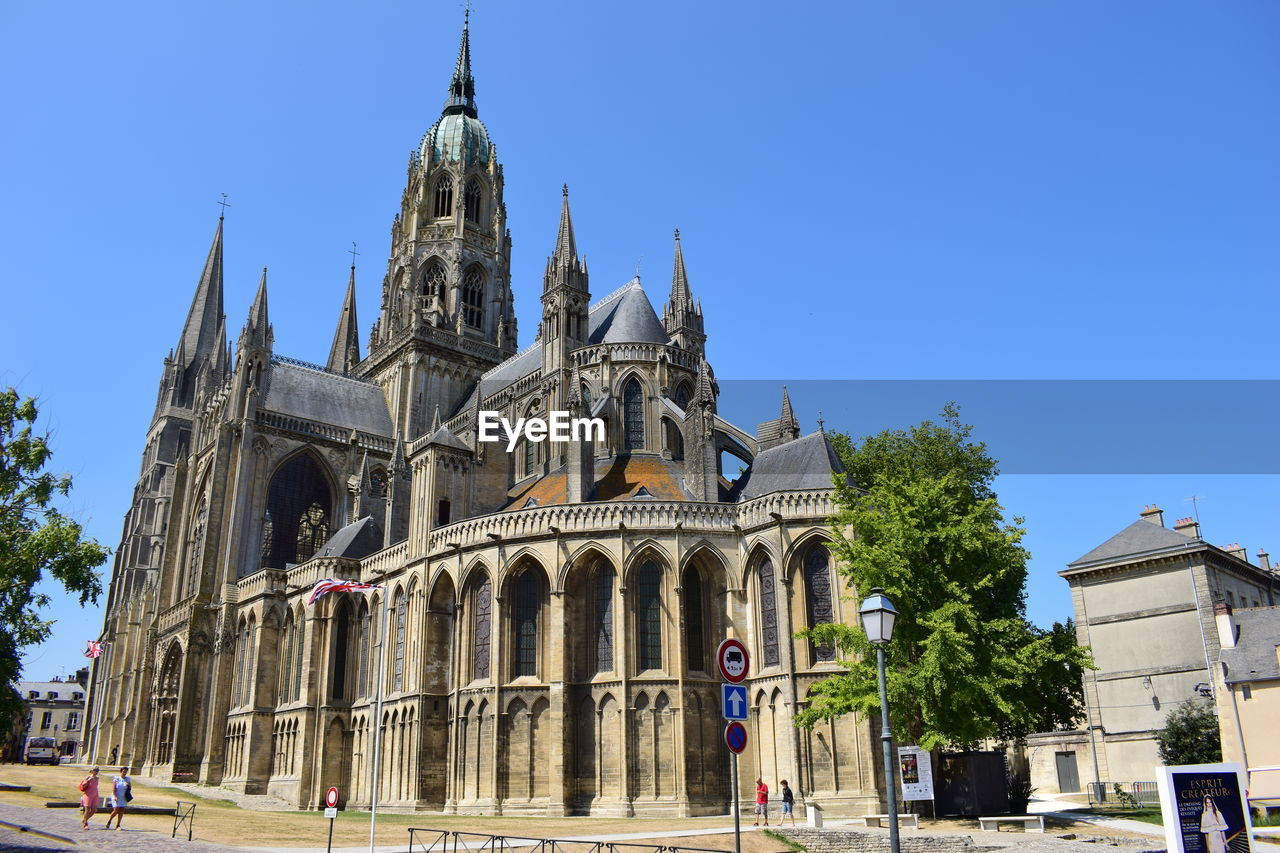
[
  {"x": 344, "y": 355},
  {"x": 682, "y": 316},
  {"x": 462, "y": 86},
  {"x": 681, "y": 296},
  {"x": 200, "y": 333},
  {"x": 257, "y": 330},
  {"x": 566, "y": 247}
]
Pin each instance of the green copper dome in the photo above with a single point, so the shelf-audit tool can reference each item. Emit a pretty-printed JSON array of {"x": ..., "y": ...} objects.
[{"x": 456, "y": 137}]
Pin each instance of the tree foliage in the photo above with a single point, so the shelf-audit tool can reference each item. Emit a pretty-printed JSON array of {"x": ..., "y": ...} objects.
[
  {"x": 35, "y": 539},
  {"x": 923, "y": 523},
  {"x": 1189, "y": 735}
]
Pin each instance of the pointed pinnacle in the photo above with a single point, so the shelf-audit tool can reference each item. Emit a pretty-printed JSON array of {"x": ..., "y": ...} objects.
[
  {"x": 462, "y": 86},
  {"x": 681, "y": 296},
  {"x": 346, "y": 337},
  {"x": 566, "y": 247}
]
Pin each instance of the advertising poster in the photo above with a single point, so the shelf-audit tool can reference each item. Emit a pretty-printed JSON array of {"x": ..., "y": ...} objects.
[
  {"x": 915, "y": 772},
  {"x": 1204, "y": 808}
]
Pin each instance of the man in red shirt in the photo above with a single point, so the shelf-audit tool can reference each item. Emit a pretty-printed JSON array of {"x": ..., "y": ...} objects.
[{"x": 762, "y": 802}]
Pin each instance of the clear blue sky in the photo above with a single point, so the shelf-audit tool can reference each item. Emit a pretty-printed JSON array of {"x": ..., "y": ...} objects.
[{"x": 866, "y": 190}]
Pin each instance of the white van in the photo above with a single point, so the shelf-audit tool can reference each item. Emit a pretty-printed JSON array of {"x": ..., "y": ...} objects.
[{"x": 41, "y": 750}]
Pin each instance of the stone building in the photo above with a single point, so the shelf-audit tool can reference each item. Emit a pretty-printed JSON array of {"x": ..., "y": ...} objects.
[
  {"x": 551, "y": 612},
  {"x": 1144, "y": 603},
  {"x": 1247, "y": 688},
  {"x": 53, "y": 709}
]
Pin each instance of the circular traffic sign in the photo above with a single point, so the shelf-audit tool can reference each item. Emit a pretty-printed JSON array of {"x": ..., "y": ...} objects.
[
  {"x": 735, "y": 737},
  {"x": 733, "y": 660},
  {"x": 331, "y": 798}
]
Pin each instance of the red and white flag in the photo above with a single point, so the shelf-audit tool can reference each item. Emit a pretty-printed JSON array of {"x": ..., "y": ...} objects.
[
  {"x": 94, "y": 649},
  {"x": 328, "y": 585}
]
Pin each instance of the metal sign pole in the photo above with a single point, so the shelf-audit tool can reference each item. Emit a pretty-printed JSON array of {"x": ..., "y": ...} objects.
[
  {"x": 737, "y": 830},
  {"x": 329, "y": 848}
]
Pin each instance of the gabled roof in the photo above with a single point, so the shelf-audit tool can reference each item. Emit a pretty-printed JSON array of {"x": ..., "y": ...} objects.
[
  {"x": 1141, "y": 537},
  {"x": 445, "y": 437},
  {"x": 357, "y": 540},
  {"x": 1254, "y": 657},
  {"x": 311, "y": 392},
  {"x": 809, "y": 462}
]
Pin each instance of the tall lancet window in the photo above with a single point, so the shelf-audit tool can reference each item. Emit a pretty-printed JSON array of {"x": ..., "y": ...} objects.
[
  {"x": 472, "y": 201},
  {"x": 197, "y": 547},
  {"x": 633, "y": 415},
  {"x": 402, "y": 614},
  {"x": 482, "y": 604},
  {"x": 694, "y": 640},
  {"x": 649, "y": 616},
  {"x": 817, "y": 593},
  {"x": 528, "y": 600},
  {"x": 473, "y": 297},
  {"x": 603, "y": 626},
  {"x": 444, "y": 198},
  {"x": 768, "y": 612},
  {"x": 435, "y": 280}
]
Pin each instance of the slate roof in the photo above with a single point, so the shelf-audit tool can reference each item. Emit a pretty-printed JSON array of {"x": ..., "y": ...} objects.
[
  {"x": 618, "y": 478},
  {"x": 1254, "y": 657},
  {"x": 624, "y": 316},
  {"x": 357, "y": 540},
  {"x": 312, "y": 392},
  {"x": 808, "y": 462},
  {"x": 445, "y": 436},
  {"x": 1141, "y": 537}
]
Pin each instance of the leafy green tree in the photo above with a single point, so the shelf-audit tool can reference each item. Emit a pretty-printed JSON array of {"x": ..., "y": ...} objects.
[
  {"x": 35, "y": 539},
  {"x": 1190, "y": 735},
  {"x": 924, "y": 524}
]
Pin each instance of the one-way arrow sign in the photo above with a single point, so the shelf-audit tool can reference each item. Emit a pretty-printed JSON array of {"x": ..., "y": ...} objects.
[{"x": 733, "y": 701}]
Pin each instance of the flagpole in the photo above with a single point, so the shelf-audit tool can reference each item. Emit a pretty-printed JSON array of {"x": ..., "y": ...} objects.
[{"x": 377, "y": 719}]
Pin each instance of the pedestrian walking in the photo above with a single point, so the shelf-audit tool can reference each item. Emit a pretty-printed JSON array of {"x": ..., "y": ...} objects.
[
  {"x": 762, "y": 803},
  {"x": 122, "y": 793},
  {"x": 788, "y": 803},
  {"x": 88, "y": 797}
]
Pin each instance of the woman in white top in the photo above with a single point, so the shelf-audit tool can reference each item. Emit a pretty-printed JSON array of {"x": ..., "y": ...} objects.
[
  {"x": 119, "y": 793},
  {"x": 1214, "y": 827}
]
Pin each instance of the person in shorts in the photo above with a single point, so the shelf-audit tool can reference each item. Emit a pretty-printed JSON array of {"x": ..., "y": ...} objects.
[
  {"x": 762, "y": 803},
  {"x": 788, "y": 803},
  {"x": 121, "y": 793}
]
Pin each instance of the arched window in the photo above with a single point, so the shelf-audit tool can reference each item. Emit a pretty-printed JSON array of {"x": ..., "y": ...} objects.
[
  {"x": 473, "y": 296},
  {"x": 472, "y": 201},
  {"x": 242, "y": 642},
  {"x": 378, "y": 483},
  {"x": 675, "y": 440},
  {"x": 298, "y": 513},
  {"x": 681, "y": 395},
  {"x": 288, "y": 641},
  {"x": 435, "y": 280},
  {"x": 530, "y": 447},
  {"x": 528, "y": 594},
  {"x": 197, "y": 547},
  {"x": 402, "y": 612},
  {"x": 301, "y": 624},
  {"x": 444, "y": 197},
  {"x": 482, "y": 607},
  {"x": 695, "y": 642},
  {"x": 817, "y": 594},
  {"x": 341, "y": 636},
  {"x": 362, "y": 665},
  {"x": 633, "y": 414},
  {"x": 768, "y": 612},
  {"x": 603, "y": 622},
  {"x": 649, "y": 616}
]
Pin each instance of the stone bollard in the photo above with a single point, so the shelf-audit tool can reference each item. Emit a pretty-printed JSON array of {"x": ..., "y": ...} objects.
[{"x": 814, "y": 816}]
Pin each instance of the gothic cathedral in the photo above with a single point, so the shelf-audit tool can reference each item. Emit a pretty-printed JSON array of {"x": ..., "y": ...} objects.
[{"x": 545, "y": 618}]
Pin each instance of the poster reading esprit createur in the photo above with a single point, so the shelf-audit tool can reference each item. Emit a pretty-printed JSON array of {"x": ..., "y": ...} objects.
[
  {"x": 1204, "y": 808},
  {"x": 916, "y": 773}
]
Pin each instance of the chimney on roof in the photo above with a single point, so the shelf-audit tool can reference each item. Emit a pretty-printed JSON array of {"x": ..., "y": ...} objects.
[
  {"x": 1187, "y": 527},
  {"x": 1153, "y": 514},
  {"x": 1227, "y": 632},
  {"x": 1237, "y": 550}
]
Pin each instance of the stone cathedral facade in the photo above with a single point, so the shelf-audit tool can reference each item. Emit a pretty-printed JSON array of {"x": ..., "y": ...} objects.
[{"x": 551, "y": 613}]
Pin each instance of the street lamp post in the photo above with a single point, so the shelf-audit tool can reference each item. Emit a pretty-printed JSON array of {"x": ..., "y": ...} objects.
[{"x": 878, "y": 615}]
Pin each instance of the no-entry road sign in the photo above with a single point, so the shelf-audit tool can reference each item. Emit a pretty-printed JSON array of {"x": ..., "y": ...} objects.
[
  {"x": 331, "y": 798},
  {"x": 733, "y": 661},
  {"x": 735, "y": 737}
]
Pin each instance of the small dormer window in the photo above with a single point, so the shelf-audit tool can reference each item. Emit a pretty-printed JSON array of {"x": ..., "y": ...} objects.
[
  {"x": 532, "y": 502},
  {"x": 33, "y": 694},
  {"x": 53, "y": 695},
  {"x": 77, "y": 696}
]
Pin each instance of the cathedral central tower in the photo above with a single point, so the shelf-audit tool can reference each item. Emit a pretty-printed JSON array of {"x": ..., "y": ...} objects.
[{"x": 447, "y": 314}]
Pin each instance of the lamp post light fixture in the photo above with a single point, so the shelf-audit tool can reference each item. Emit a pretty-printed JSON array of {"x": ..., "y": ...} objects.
[{"x": 878, "y": 615}]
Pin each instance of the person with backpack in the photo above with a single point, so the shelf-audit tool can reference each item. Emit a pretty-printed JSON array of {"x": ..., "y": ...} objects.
[
  {"x": 88, "y": 797},
  {"x": 122, "y": 793},
  {"x": 762, "y": 802}
]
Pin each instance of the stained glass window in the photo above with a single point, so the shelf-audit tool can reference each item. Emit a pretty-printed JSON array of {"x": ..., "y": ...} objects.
[
  {"x": 681, "y": 395},
  {"x": 483, "y": 610},
  {"x": 444, "y": 197},
  {"x": 528, "y": 595},
  {"x": 298, "y": 507},
  {"x": 472, "y": 201},
  {"x": 649, "y": 616},
  {"x": 301, "y": 625},
  {"x": 402, "y": 611},
  {"x": 342, "y": 635},
  {"x": 286, "y": 680},
  {"x": 633, "y": 415},
  {"x": 313, "y": 531},
  {"x": 768, "y": 612},
  {"x": 362, "y": 666},
  {"x": 817, "y": 582},
  {"x": 604, "y": 618},
  {"x": 694, "y": 641},
  {"x": 378, "y": 483},
  {"x": 197, "y": 546},
  {"x": 473, "y": 297}
]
